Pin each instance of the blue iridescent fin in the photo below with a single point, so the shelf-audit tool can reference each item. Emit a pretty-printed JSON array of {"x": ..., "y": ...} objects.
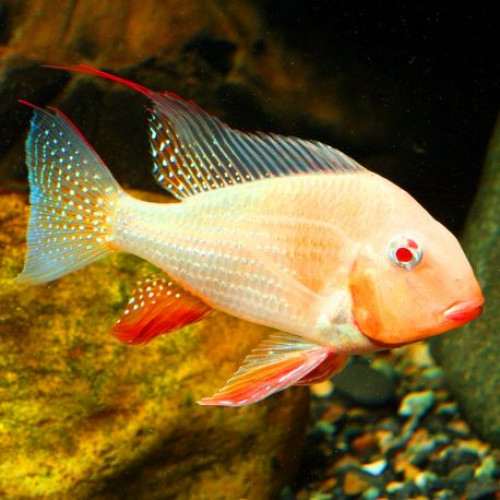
[{"x": 72, "y": 195}]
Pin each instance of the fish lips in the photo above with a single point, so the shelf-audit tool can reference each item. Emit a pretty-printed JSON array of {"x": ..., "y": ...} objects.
[{"x": 465, "y": 310}]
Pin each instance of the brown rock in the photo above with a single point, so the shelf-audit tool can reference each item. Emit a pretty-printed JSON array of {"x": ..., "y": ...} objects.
[
  {"x": 355, "y": 483},
  {"x": 365, "y": 443},
  {"x": 86, "y": 417},
  {"x": 120, "y": 32},
  {"x": 334, "y": 413},
  {"x": 346, "y": 462}
]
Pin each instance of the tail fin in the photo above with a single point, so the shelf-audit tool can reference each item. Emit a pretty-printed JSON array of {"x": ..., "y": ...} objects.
[{"x": 72, "y": 196}]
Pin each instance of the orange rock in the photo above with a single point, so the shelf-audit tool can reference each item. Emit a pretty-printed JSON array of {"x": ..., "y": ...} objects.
[
  {"x": 460, "y": 427},
  {"x": 346, "y": 461},
  {"x": 364, "y": 443},
  {"x": 419, "y": 436},
  {"x": 399, "y": 462},
  {"x": 334, "y": 413},
  {"x": 384, "y": 439},
  {"x": 354, "y": 483},
  {"x": 322, "y": 389},
  {"x": 410, "y": 471},
  {"x": 329, "y": 483}
]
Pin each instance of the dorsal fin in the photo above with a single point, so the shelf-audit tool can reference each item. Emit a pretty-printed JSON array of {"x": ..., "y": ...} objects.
[{"x": 194, "y": 151}]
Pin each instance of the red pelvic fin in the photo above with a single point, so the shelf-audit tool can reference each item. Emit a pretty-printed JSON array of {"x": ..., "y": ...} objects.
[
  {"x": 276, "y": 364},
  {"x": 157, "y": 306},
  {"x": 334, "y": 363}
]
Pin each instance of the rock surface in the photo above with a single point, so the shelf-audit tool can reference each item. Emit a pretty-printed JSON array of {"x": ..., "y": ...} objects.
[
  {"x": 83, "y": 416},
  {"x": 471, "y": 357},
  {"x": 364, "y": 384}
]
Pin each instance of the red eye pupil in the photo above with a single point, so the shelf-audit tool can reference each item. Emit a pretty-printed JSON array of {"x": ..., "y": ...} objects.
[{"x": 404, "y": 255}]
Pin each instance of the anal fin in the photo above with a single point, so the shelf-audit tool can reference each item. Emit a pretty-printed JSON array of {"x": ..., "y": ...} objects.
[
  {"x": 157, "y": 305},
  {"x": 277, "y": 363}
]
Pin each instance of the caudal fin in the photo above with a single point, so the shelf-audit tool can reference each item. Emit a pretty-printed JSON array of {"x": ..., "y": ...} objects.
[{"x": 72, "y": 197}]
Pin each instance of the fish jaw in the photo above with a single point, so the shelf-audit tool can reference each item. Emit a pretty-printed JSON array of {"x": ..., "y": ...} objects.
[
  {"x": 462, "y": 312},
  {"x": 455, "y": 316}
]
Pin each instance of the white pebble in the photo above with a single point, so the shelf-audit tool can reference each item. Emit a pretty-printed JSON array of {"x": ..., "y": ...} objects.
[{"x": 375, "y": 468}]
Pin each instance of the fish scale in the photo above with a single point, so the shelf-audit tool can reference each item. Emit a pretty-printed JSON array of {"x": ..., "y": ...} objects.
[{"x": 210, "y": 266}]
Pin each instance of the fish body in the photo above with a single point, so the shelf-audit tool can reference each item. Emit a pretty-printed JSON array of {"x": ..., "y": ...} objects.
[
  {"x": 290, "y": 234},
  {"x": 271, "y": 259}
]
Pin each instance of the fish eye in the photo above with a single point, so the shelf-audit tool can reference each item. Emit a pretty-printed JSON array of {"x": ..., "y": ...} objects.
[{"x": 405, "y": 251}]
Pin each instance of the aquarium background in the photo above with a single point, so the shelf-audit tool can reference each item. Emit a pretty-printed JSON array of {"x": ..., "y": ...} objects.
[{"x": 409, "y": 90}]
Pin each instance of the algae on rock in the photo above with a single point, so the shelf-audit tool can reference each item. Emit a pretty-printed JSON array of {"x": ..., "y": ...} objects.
[
  {"x": 83, "y": 416},
  {"x": 471, "y": 357}
]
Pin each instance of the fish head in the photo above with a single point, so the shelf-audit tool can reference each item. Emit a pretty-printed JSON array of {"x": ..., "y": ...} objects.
[{"x": 407, "y": 285}]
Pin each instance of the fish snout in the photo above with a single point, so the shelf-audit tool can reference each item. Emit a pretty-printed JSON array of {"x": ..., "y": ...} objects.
[{"x": 464, "y": 310}]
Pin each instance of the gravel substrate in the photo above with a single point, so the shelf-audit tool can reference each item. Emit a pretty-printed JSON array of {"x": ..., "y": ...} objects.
[{"x": 388, "y": 428}]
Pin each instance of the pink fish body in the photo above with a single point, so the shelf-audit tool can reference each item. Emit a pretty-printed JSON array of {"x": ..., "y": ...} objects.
[{"x": 287, "y": 233}]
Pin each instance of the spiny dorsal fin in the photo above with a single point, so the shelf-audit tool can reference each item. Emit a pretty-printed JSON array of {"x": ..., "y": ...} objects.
[{"x": 195, "y": 152}]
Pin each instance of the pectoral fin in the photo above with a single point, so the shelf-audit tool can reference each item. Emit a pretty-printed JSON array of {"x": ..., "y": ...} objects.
[
  {"x": 277, "y": 363},
  {"x": 158, "y": 305}
]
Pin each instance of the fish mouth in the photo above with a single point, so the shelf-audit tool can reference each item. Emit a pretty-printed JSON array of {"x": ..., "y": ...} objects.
[
  {"x": 456, "y": 315},
  {"x": 464, "y": 310}
]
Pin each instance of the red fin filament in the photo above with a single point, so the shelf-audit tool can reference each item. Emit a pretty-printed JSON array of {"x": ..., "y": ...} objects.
[
  {"x": 89, "y": 70},
  {"x": 157, "y": 306},
  {"x": 155, "y": 96}
]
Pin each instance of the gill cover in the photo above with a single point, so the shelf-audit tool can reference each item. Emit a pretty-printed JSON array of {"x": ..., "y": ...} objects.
[{"x": 383, "y": 309}]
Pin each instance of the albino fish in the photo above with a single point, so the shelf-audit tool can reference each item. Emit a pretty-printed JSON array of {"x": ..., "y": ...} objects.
[{"x": 280, "y": 231}]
